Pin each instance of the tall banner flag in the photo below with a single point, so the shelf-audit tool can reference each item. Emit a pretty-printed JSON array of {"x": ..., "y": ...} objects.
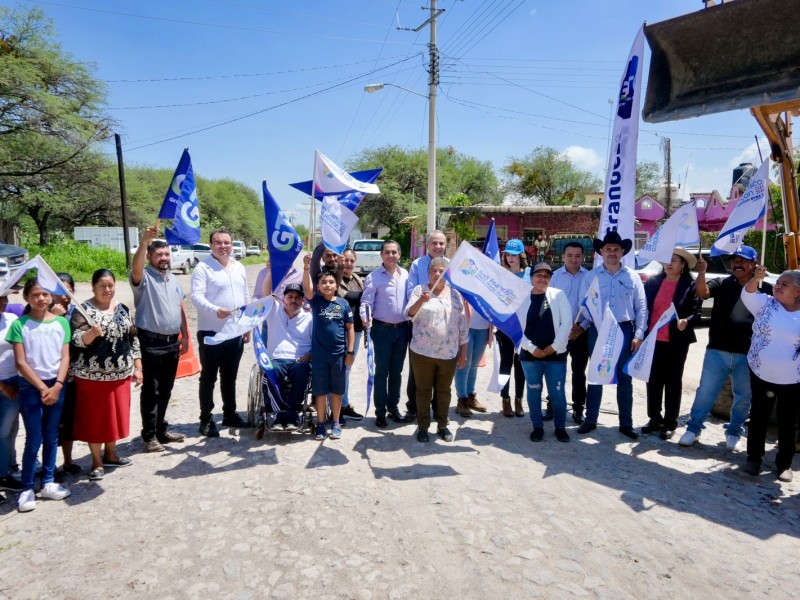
[
  {"x": 181, "y": 205},
  {"x": 603, "y": 363},
  {"x": 619, "y": 196},
  {"x": 490, "y": 246},
  {"x": 338, "y": 218},
  {"x": 269, "y": 381},
  {"x": 593, "y": 303},
  {"x": 370, "y": 357},
  {"x": 498, "y": 295},
  {"x": 681, "y": 229},
  {"x": 640, "y": 364},
  {"x": 283, "y": 242},
  {"x": 332, "y": 180},
  {"x": 750, "y": 208}
]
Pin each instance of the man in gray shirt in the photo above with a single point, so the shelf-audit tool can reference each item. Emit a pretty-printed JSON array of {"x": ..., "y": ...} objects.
[{"x": 158, "y": 297}]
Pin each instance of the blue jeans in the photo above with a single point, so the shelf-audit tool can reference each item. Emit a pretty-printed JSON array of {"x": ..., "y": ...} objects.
[
  {"x": 391, "y": 344},
  {"x": 594, "y": 394},
  {"x": 717, "y": 366},
  {"x": 9, "y": 425},
  {"x": 555, "y": 375},
  {"x": 356, "y": 344},
  {"x": 465, "y": 378},
  {"x": 41, "y": 430},
  {"x": 293, "y": 376}
]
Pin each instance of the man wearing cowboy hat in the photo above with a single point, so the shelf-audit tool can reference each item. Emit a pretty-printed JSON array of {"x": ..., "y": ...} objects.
[{"x": 622, "y": 291}]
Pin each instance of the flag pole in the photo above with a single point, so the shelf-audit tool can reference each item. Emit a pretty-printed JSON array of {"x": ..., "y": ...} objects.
[
  {"x": 435, "y": 285},
  {"x": 312, "y": 210}
]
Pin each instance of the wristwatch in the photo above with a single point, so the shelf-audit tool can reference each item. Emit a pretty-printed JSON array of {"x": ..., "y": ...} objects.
[{"x": 351, "y": 353}]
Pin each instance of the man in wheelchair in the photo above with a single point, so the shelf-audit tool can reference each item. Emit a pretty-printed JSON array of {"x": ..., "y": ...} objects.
[{"x": 288, "y": 345}]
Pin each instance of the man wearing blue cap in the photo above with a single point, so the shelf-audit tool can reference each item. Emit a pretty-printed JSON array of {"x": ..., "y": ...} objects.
[{"x": 728, "y": 342}]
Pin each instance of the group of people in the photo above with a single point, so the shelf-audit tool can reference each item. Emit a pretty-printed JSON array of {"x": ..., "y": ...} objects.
[{"x": 68, "y": 371}]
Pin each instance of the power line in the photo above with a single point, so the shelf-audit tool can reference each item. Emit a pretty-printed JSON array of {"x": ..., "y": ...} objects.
[{"x": 485, "y": 32}]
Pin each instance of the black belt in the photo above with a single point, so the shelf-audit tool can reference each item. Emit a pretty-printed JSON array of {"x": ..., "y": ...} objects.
[
  {"x": 151, "y": 335},
  {"x": 385, "y": 324},
  {"x": 631, "y": 323}
]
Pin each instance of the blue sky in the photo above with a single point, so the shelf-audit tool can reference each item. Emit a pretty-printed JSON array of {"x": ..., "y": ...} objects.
[{"x": 516, "y": 74}]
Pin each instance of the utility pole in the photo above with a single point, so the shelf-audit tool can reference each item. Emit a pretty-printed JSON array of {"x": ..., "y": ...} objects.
[
  {"x": 666, "y": 148},
  {"x": 433, "y": 82}
]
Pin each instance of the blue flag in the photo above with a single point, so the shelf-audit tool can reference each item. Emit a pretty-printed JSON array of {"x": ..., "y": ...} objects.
[
  {"x": 181, "y": 205},
  {"x": 283, "y": 242},
  {"x": 370, "y": 357},
  {"x": 269, "y": 381},
  {"x": 366, "y": 176},
  {"x": 490, "y": 246}
]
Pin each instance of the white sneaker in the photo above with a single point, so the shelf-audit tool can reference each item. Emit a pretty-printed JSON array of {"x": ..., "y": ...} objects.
[
  {"x": 688, "y": 438},
  {"x": 731, "y": 441},
  {"x": 53, "y": 491},
  {"x": 27, "y": 501}
]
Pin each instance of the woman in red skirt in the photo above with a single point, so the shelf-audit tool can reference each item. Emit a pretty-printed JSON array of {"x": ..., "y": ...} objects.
[{"x": 105, "y": 358}]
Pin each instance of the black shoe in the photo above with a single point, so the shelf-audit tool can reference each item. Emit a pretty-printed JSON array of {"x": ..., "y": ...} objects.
[
  {"x": 167, "y": 437},
  {"x": 9, "y": 484},
  {"x": 410, "y": 417},
  {"x": 380, "y": 422},
  {"x": 562, "y": 435},
  {"x": 209, "y": 429},
  {"x": 445, "y": 434},
  {"x": 586, "y": 427},
  {"x": 666, "y": 434},
  {"x": 577, "y": 417},
  {"x": 423, "y": 437},
  {"x": 752, "y": 468},
  {"x": 350, "y": 412},
  {"x": 395, "y": 416},
  {"x": 629, "y": 432},
  {"x": 652, "y": 427},
  {"x": 235, "y": 421},
  {"x": 537, "y": 435}
]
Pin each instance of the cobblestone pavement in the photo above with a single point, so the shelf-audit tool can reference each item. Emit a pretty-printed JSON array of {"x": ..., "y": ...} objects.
[{"x": 378, "y": 515}]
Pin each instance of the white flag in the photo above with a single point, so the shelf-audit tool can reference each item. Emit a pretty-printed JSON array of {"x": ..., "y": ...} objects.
[
  {"x": 750, "y": 208},
  {"x": 620, "y": 188},
  {"x": 603, "y": 364},
  {"x": 640, "y": 363},
  {"x": 332, "y": 180},
  {"x": 497, "y": 381},
  {"x": 680, "y": 229},
  {"x": 337, "y": 222},
  {"x": 252, "y": 316},
  {"x": 593, "y": 303}
]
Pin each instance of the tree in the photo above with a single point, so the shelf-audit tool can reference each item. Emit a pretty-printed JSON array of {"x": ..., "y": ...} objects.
[
  {"x": 548, "y": 177},
  {"x": 648, "y": 178},
  {"x": 404, "y": 183},
  {"x": 50, "y": 120}
]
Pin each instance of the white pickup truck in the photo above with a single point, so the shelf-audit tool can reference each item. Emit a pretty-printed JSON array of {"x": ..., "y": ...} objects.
[
  {"x": 368, "y": 255},
  {"x": 181, "y": 258}
]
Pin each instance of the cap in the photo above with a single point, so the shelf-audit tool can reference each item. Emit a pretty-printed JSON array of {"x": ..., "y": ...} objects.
[
  {"x": 514, "y": 247},
  {"x": 542, "y": 266},
  {"x": 746, "y": 252},
  {"x": 293, "y": 287}
]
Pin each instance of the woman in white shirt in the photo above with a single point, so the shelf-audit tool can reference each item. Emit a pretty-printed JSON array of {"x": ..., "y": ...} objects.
[{"x": 774, "y": 360}]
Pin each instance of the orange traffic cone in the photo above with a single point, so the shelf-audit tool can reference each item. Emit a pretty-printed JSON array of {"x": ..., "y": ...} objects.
[{"x": 188, "y": 364}]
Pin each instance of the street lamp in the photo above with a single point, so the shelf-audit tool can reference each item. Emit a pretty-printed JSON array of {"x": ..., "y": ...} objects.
[{"x": 431, "y": 98}]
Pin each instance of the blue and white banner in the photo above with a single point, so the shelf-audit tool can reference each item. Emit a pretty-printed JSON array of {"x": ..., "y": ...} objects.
[
  {"x": 331, "y": 180},
  {"x": 593, "y": 303},
  {"x": 680, "y": 229},
  {"x": 248, "y": 317},
  {"x": 370, "y": 357},
  {"x": 181, "y": 205},
  {"x": 750, "y": 208},
  {"x": 367, "y": 176},
  {"x": 498, "y": 295},
  {"x": 619, "y": 198},
  {"x": 272, "y": 388},
  {"x": 603, "y": 363},
  {"x": 640, "y": 364},
  {"x": 490, "y": 246},
  {"x": 283, "y": 242}
]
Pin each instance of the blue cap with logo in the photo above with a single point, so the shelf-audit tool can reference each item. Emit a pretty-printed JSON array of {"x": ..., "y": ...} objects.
[
  {"x": 514, "y": 247},
  {"x": 746, "y": 252}
]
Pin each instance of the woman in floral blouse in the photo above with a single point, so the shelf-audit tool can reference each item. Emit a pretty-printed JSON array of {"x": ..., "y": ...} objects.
[
  {"x": 105, "y": 358},
  {"x": 438, "y": 345}
]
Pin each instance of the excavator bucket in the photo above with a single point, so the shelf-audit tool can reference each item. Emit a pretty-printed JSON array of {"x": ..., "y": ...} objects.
[{"x": 740, "y": 54}]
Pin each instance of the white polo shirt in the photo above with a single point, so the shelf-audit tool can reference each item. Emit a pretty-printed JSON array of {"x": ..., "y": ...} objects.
[{"x": 287, "y": 338}]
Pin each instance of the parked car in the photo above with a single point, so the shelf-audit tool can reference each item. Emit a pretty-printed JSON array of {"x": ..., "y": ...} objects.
[
  {"x": 181, "y": 258},
  {"x": 4, "y": 270},
  {"x": 719, "y": 267},
  {"x": 14, "y": 255},
  {"x": 253, "y": 251},
  {"x": 559, "y": 240},
  {"x": 199, "y": 252},
  {"x": 368, "y": 255},
  {"x": 239, "y": 251}
]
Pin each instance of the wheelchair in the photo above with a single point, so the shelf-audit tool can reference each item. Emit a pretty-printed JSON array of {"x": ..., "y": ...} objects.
[{"x": 260, "y": 415}]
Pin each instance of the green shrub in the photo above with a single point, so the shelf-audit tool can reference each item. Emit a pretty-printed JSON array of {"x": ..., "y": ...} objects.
[{"x": 81, "y": 260}]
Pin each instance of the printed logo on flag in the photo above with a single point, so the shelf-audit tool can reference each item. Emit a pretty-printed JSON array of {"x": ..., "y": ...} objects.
[
  {"x": 604, "y": 367},
  {"x": 627, "y": 90},
  {"x": 468, "y": 267}
]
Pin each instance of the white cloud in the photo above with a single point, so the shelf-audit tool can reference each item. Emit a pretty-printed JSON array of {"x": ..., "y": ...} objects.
[
  {"x": 586, "y": 159},
  {"x": 750, "y": 154},
  {"x": 533, "y": 12}
]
